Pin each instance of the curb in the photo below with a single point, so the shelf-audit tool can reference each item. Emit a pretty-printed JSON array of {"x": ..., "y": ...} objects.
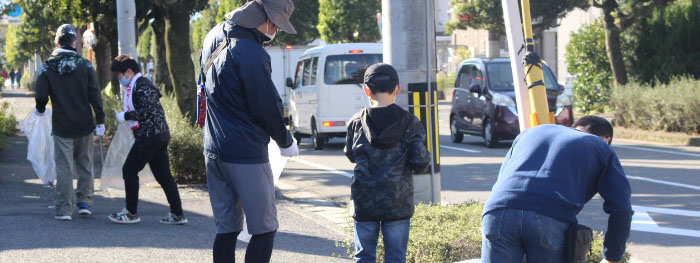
[
  {"x": 674, "y": 138},
  {"x": 311, "y": 203}
]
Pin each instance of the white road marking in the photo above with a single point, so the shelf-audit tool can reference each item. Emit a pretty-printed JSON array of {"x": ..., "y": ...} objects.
[
  {"x": 335, "y": 171},
  {"x": 657, "y": 150},
  {"x": 459, "y": 149},
  {"x": 664, "y": 182},
  {"x": 641, "y": 221}
]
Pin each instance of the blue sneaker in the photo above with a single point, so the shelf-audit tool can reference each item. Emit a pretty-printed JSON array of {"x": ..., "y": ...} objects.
[{"x": 84, "y": 209}]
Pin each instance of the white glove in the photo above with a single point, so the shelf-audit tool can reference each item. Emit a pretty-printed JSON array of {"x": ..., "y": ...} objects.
[
  {"x": 290, "y": 151},
  {"x": 37, "y": 113},
  {"x": 100, "y": 130},
  {"x": 120, "y": 117}
]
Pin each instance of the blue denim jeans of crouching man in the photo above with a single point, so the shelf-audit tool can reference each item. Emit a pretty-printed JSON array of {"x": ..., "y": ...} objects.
[
  {"x": 395, "y": 240},
  {"x": 508, "y": 234}
]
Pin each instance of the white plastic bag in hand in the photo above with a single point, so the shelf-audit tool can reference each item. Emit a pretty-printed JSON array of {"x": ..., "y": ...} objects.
[
  {"x": 116, "y": 156},
  {"x": 40, "y": 149},
  {"x": 277, "y": 163}
]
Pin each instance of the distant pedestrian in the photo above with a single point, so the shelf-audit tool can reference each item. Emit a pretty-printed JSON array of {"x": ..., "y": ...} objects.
[
  {"x": 548, "y": 175},
  {"x": 12, "y": 78},
  {"x": 4, "y": 74},
  {"x": 151, "y": 75},
  {"x": 71, "y": 83},
  {"x": 18, "y": 77},
  {"x": 386, "y": 143},
  {"x": 145, "y": 116},
  {"x": 243, "y": 111}
]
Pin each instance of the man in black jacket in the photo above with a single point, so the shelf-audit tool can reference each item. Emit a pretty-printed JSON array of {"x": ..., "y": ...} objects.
[
  {"x": 243, "y": 111},
  {"x": 71, "y": 83},
  {"x": 386, "y": 143}
]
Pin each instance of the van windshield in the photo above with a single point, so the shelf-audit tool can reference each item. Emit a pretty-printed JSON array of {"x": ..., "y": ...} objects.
[
  {"x": 500, "y": 77},
  {"x": 348, "y": 69}
]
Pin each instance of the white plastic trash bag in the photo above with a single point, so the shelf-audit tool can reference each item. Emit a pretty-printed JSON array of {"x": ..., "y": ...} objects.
[
  {"x": 277, "y": 163},
  {"x": 40, "y": 150},
  {"x": 116, "y": 156}
]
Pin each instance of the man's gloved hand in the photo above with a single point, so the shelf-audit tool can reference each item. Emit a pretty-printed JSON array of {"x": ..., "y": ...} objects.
[
  {"x": 100, "y": 130},
  {"x": 37, "y": 113},
  {"x": 290, "y": 151},
  {"x": 120, "y": 117}
]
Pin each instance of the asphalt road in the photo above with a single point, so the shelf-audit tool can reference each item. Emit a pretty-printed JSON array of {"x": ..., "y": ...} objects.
[{"x": 664, "y": 179}]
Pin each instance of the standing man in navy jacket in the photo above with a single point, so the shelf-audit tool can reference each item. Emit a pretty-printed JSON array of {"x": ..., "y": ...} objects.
[
  {"x": 243, "y": 111},
  {"x": 548, "y": 175}
]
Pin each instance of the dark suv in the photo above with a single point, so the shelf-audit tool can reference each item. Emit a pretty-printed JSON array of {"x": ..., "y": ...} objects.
[{"x": 483, "y": 101}]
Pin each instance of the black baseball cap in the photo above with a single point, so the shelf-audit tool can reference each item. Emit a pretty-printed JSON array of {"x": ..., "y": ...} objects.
[
  {"x": 66, "y": 34},
  {"x": 381, "y": 77}
]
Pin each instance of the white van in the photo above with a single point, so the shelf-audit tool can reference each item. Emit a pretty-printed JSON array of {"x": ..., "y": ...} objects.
[{"x": 326, "y": 90}]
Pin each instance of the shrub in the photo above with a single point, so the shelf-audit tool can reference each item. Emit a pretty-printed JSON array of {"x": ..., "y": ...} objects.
[
  {"x": 445, "y": 80},
  {"x": 669, "y": 107},
  {"x": 27, "y": 82},
  {"x": 8, "y": 123},
  {"x": 666, "y": 43},
  {"x": 451, "y": 234},
  {"x": 111, "y": 105},
  {"x": 185, "y": 148},
  {"x": 588, "y": 61}
]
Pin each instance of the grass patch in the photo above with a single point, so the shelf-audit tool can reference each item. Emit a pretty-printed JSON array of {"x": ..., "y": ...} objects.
[
  {"x": 8, "y": 124},
  {"x": 450, "y": 234}
]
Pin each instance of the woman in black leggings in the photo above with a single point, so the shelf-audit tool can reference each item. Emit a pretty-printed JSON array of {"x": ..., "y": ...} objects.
[{"x": 144, "y": 114}]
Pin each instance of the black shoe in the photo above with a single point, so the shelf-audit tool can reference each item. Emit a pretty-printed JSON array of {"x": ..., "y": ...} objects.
[{"x": 124, "y": 217}]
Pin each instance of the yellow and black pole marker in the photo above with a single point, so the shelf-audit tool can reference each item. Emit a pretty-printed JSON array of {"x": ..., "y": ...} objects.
[
  {"x": 534, "y": 76},
  {"x": 427, "y": 113}
]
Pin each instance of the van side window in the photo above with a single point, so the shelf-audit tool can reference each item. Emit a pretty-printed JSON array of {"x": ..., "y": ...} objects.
[
  {"x": 478, "y": 77},
  {"x": 314, "y": 69},
  {"x": 465, "y": 77},
  {"x": 307, "y": 72},
  {"x": 297, "y": 77}
]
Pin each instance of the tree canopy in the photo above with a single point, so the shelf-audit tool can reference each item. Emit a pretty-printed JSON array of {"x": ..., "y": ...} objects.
[{"x": 347, "y": 21}]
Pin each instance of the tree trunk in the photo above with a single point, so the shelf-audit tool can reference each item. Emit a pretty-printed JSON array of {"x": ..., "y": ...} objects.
[
  {"x": 162, "y": 72},
  {"x": 613, "y": 44},
  {"x": 103, "y": 55},
  {"x": 177, "y": 53},
  {"x": 493, "y": 49}
]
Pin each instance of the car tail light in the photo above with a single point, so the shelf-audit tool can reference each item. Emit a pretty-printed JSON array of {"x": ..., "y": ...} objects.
[
  {"x": 288, "y": 47},
  {"x": 333, "y": 123},
  {"x": 355, "y": 51}
]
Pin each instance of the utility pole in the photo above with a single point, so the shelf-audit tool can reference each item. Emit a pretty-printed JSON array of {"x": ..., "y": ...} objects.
[
  {"x": 408, "y": 38},
  {"x": 126, "y": 27},
  {"x": 514, "y": 33}
]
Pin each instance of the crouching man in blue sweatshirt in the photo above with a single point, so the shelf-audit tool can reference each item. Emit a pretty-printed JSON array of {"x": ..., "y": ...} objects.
[{"x": 548, "y": 175}]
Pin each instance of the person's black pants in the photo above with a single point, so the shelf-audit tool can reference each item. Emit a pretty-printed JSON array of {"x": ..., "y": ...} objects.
[{"x": 154, "y": 153}]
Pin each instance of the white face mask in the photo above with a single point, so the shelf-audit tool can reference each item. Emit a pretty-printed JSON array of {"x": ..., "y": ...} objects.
[{"x": 270, "y": 36}]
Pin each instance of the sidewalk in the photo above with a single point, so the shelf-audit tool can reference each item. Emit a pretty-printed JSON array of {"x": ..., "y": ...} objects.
[{"x": 30, "y": 234}]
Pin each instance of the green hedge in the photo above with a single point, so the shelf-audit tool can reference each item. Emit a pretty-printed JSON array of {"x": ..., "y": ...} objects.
[
  {"x": 185, "y": 148},
  {"x": 8, "y": 123},
  {"x": 669, "y": 107},
  {"x": 451, "y": 234}
]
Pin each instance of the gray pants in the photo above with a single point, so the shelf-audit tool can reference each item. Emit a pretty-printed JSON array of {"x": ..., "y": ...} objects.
[
  {"x": 73, "y": 158},
  {"x": 235, "y": 188}
]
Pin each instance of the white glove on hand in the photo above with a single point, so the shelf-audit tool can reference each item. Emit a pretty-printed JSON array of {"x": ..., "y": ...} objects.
[
  {"x": 100, "y": 130},
  {"x": 120, "y": 117},
  {"x": 37, "y": 113},
  {"x": 290, "y": 151}
]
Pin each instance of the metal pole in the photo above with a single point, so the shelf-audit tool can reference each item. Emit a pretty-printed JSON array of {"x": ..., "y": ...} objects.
[
  {"x": 515, "y": 37},
  {"x": 428, "y": 72},
  {"x": 534, "y": 74},
  {"x": 126, "y": 21}
]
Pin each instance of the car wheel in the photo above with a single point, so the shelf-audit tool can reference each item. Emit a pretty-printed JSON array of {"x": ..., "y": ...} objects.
[
  {"x": 319, "y": 140},
  {"x": 455, "y": 135},
  {"x": 489, "y": 138}
]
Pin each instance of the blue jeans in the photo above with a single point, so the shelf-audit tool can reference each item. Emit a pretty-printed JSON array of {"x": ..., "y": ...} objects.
[
  {"x": 508, "y": 234},
  {"x": 395, "y": 240}
]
